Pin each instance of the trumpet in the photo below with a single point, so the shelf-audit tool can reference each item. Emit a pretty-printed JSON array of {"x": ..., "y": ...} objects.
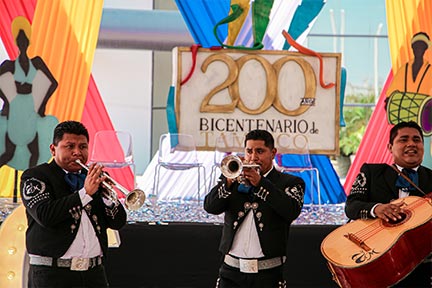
[
  {"x": 232, "y": 166},
  {"x": 134, "y": 199}
]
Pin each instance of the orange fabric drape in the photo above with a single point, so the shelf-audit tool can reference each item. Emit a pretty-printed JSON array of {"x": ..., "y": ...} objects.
[{"x": 65, "y": 35}]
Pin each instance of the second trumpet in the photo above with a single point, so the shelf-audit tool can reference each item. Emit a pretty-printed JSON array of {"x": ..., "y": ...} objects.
[
  {"x": 232, "y": 166},
  {"x": 134, "y": 199}
]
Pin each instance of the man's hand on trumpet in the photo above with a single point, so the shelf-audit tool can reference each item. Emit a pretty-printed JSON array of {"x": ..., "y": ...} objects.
[
  {"x": 94, "y": 178},
  {"x": 234, "y": 167},
  {"x": 251, "y": 175}
]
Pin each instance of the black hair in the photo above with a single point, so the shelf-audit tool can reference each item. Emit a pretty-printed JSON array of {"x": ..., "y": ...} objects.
[
  {"x": 400, "y": 125},
  {"x": 69, "y": 127},
  {"x": 260, "y": 135}
]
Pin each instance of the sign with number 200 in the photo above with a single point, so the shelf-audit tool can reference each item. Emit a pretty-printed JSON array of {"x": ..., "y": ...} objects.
[{"x": 235, "y": 91}]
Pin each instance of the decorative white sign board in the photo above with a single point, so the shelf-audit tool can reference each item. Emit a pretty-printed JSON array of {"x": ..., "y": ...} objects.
[{"x": 235, "y": 91}]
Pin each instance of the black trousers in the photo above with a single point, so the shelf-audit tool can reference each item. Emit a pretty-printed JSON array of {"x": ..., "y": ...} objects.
[
  {"x": 54, "y": 277},
  {"x": 230, "y": 277}
]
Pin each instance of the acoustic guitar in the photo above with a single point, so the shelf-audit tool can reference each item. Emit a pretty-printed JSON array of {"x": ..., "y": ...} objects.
[{"x": 376, "y": 253}]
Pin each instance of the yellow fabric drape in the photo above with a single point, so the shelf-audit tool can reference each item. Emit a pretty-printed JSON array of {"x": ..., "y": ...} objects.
[
  {"x": 235, "y": 26},
  {"x": 64, "y": 35},
  {"x": 7, "y": 181}
]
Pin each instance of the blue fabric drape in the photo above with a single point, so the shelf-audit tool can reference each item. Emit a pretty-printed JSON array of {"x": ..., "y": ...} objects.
[
  {"x": 202, "y": 15},
  {"x": 302, "y": 18}
]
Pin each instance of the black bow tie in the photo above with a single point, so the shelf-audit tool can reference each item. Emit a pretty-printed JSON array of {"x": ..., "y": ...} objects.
[{"x": 75, "y": 180}]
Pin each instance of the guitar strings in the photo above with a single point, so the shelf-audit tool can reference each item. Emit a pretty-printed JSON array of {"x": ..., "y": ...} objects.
[
  {"x": 368, "y": 231},
  {"x": 373, "y": 229}
]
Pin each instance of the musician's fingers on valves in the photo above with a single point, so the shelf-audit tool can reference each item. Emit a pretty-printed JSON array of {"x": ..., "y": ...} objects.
[
  {"x": 94, "y": 179},
  {"x": 252, "y": 175},
  {"x": 134, "y": 199}
]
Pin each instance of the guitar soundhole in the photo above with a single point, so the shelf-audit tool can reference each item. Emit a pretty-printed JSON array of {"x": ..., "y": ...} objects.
[{"x": 405, "y": 216}]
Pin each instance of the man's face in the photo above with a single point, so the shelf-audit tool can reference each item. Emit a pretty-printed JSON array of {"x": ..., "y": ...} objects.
[
  {"x": 407, "y": 148},
  {"x": 69, "y": 149},
  {"x": 256, "y": 152}
]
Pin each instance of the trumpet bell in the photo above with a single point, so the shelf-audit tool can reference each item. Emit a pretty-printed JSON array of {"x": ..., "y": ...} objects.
[
  {"x": 232, "y": 166},
  {"x": 135, "y": 199}
]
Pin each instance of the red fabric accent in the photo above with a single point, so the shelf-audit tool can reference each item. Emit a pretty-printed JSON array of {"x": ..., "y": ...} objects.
[
  {"x": 194, "y": 49},
  {"x": 373, "y": 147},
  {"x": 95, "y": 117},
  {"x": 109, "y": 149},
  {"x": 307, "y": 51}
]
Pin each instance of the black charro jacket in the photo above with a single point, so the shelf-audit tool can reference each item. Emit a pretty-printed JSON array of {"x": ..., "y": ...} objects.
[
  {"x": 54, "y": 212},
  {"x": 375, "y": 184},
  {"x": 275, "y": 203}
]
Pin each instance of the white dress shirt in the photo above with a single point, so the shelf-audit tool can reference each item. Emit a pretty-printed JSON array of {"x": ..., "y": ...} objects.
[
  {"x": 86, "y": 244},
  {"x": 246, "y": 242}
]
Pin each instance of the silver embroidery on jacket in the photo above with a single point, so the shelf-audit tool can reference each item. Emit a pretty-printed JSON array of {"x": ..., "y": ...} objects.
[
  {"x": 222, "y": 192},
  {"x": 359, "y": 185},
  {"x": 34, "y": 191},
  {"x": 296, "y": 192},
  {"x": 262, "y": 193}
]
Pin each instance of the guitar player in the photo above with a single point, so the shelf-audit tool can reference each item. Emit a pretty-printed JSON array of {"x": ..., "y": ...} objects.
[{"x": 378, "y": 184}]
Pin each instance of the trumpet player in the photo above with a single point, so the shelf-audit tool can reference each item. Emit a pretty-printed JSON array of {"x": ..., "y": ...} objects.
[
  {"x": 67, "y": 215},
  {"x": 258, "y": 213}
]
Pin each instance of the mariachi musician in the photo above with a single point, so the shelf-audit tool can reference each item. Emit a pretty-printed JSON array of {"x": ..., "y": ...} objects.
[
  {"x": 259, "y": 210},
  {"x": 67, "y": 215},
  {"x": 378, "y": 184}
]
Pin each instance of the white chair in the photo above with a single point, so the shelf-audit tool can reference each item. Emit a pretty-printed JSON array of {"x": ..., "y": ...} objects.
[
  {"x": 225, "y": 144},
  {"x": 113, "y": 149},
  {"x": 301, "y": 162},
  {"x": 177, "y": 152}
]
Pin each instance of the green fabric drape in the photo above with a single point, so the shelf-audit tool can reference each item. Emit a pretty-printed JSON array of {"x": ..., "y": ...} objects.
[{"x": 260, "y": 18}]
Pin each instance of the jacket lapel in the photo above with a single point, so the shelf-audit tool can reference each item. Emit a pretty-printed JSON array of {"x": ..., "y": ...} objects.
[
  {"x": 423, "y": 181},
  {"x": 391, "y": 176}
]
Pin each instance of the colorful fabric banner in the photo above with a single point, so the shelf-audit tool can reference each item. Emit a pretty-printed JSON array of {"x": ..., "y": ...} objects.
[
  {"x": 404, "y": 19},
  {"x": 64, "y": 35}
]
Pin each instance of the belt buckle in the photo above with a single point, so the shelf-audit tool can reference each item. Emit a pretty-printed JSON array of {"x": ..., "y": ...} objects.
[
  {"x": 248, "y": 265},
  {"x": 80, "y": 264}
]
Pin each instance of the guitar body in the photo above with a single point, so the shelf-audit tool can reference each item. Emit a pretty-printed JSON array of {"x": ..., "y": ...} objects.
[{"x": 374, "y": 253}]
